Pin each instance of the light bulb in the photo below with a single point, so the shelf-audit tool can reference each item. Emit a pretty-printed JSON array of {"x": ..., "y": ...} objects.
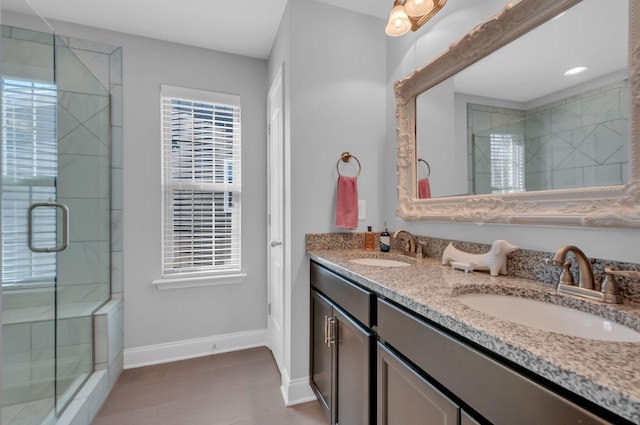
[
  {"x": 576, "y": 70},
  {"x": 399, "y": 23},
  {"x": 416, "y": 8}
]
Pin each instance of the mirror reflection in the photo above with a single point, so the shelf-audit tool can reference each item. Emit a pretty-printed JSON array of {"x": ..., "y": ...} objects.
[{"x": 516, "y": 122}]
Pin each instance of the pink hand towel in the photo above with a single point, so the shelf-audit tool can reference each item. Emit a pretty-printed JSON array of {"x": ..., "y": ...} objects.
[
  {"x": 424, "y": 188},
  {"x": 347, "y": 203}
]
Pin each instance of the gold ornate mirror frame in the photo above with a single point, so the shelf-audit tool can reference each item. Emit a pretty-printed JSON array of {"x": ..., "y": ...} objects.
[{"x": 611, "y": 206}]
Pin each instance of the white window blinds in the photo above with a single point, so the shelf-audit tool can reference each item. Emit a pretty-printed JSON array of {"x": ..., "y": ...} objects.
[
  {"x": 201, "y": 182},
  {"x": 29, "y": 171},
  {"x": 507, "y": 163}
]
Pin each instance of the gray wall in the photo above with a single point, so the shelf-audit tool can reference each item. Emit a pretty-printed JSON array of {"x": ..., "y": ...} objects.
[
  {"x": 153, "y": 316},
  {"x": 335, "y": 96}
]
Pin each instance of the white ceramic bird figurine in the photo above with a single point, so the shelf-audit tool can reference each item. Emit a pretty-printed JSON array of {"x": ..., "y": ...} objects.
[{"x": 495, "y": 260}]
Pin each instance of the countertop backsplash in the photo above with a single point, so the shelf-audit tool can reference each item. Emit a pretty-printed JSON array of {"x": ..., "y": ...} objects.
[{"x": 522, "y": 263}]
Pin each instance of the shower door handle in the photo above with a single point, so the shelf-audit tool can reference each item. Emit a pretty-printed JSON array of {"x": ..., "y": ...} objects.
[{"x": 65, "y": 226}]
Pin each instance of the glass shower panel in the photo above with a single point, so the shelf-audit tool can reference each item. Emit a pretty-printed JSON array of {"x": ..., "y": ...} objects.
[
  {"x": 83, "y": 115},
  {"x": 29, "y": 171}
]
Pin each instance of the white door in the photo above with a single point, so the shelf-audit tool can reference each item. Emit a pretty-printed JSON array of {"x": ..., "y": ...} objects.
[{"x": 275, "y": 201}]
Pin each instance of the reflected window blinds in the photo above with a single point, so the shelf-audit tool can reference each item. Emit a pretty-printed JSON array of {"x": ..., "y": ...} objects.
[
  {"x": 201, "y": 182},
  {"x": 507, "y": 163},
  {"x": 29, "y": 173}
]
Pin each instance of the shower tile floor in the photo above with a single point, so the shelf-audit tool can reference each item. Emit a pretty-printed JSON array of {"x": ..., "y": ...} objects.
[
  {"x": 38, "y": 412},
  {"x": 240, "y": 388}
]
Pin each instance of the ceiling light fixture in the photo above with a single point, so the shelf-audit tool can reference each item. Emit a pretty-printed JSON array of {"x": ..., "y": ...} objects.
[
  {"x": 576, "y": 70},
  {"x": 411, "y": 15}
]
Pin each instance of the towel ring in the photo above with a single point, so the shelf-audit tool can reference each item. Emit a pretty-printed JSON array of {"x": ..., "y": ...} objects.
[
  {"x": 428, "y": 167},
  {"x": 346, "y": 157}
]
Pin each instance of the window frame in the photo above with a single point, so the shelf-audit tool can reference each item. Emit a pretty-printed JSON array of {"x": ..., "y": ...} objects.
[{"x": 229, "y": 185}]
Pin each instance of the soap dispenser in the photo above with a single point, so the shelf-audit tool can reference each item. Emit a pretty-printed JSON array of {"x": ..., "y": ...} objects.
[
  {"x": 369, "y": 239},
  {"x": 385, "y": 239}
]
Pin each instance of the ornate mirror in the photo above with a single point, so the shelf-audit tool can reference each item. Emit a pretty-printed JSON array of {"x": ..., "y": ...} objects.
[{"x": 486, "y": 121}]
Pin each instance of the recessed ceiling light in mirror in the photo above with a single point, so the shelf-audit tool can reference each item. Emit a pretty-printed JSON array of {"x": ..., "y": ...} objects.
[{"x": 576, "y": 70}]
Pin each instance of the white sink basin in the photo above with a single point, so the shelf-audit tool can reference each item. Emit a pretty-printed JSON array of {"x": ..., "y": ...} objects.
[
  {"x": 549, "y": 317},
  {"x": 380, "y": 262}
]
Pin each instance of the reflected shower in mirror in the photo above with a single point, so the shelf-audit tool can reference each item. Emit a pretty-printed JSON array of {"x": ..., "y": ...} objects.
[{"x": 513, "y": 122}]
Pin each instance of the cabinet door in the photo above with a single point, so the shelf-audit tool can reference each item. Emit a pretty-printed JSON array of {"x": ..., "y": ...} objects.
[
  {"x": 467, "y": 420},
  {"x": 353, "y": 372},
  {"x": 404, "y": 397},
  {"x": 322, "y": 353}
]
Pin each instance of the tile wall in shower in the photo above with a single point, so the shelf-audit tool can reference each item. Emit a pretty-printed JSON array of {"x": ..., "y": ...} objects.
[{"x": 579, "y": 141}]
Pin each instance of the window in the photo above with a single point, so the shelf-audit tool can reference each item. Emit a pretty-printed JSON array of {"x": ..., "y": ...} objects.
[
  {"x": 507, "y": 164},
  {"x": 29, "y": 171},
  {"x": 200, "y": 183}
]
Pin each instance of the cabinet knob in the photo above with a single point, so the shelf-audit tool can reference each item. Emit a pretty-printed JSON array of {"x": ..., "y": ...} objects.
[{"x": 276, "y": 243}]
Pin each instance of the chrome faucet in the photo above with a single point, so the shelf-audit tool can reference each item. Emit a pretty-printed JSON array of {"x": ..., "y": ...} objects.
[
  {"x": 586, "y": 273},
  {"x": 415, "y": 248},
  {"x": 610, "y": 292}
]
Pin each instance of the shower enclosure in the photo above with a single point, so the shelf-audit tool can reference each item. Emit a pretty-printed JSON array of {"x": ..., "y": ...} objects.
[
  {"x": 56, "y": 226},
  {"x": 578, "y": 141}
]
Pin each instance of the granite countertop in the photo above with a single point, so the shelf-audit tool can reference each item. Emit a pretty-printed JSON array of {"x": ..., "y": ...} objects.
[{"x": 607, "y": 373}]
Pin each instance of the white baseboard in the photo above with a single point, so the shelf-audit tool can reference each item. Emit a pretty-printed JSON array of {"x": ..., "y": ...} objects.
[
  {"x": 295, "y": 391},
  {"x": 188, "y": 349}
]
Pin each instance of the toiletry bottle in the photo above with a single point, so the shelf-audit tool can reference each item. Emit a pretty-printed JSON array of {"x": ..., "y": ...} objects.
[
  {"x": 368, "y": 239},
  {"x": 385, "y": 239}
]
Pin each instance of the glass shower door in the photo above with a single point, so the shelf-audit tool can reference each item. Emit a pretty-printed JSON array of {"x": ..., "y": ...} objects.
[{"x": 55, "y": 157}]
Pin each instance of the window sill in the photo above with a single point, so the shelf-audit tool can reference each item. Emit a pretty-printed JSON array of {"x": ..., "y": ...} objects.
[{"x": 195, "y": 282}]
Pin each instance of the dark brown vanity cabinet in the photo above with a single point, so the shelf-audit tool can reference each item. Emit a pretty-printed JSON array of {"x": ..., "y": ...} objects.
[
  {"x": 418, "y": 372},
  {"x": 341, "y": 348},
  {"x": 467, "y": 420},
  {"x": 322, "y": 353},
  {"x": 404, "y": 397},
  {"x": 497, "y": 392}
]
